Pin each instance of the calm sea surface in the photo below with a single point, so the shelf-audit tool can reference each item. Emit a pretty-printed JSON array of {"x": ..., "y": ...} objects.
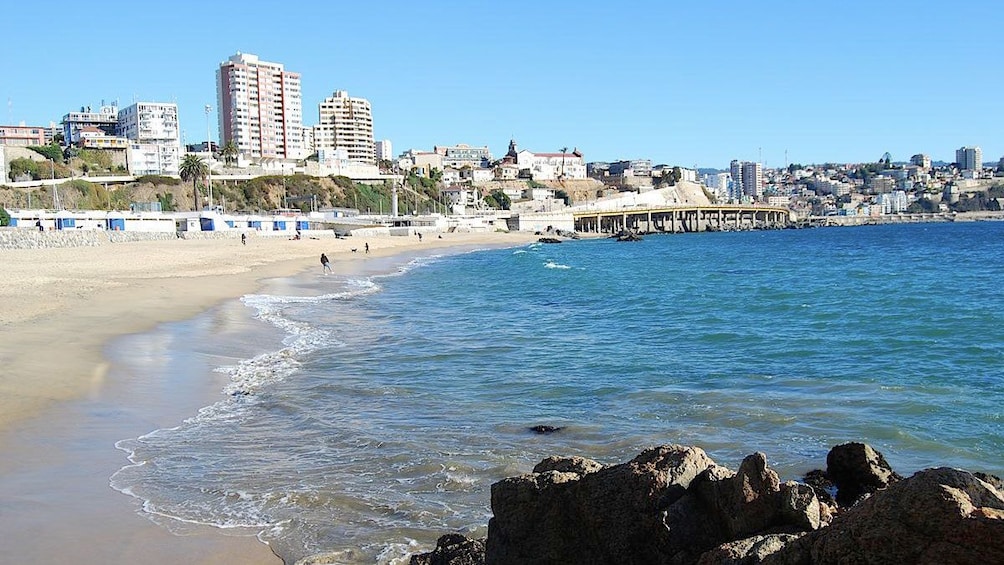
[{"x": 399, "y": 398}]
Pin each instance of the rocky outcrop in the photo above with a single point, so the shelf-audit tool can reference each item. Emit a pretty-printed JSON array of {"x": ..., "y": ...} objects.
[
  {"x": 453, "y": 549},
  {"x": 857, "y": 470},
  {"x": 672, "y": 505},
  {"x": 936, "y": 516}
]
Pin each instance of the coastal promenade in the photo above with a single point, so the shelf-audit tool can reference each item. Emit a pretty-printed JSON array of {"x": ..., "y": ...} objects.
[{"x": 682, "y": 219}]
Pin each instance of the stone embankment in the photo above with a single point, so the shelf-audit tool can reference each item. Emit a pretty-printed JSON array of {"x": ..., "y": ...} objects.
[{"x": 672, "y": 505}]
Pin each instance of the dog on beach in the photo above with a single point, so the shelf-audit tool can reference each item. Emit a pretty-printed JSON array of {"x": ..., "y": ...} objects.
[{"x": 353, "y": 249}]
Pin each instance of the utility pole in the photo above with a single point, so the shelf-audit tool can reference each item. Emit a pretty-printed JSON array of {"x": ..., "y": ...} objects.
[{"x": 209, "y": 160}]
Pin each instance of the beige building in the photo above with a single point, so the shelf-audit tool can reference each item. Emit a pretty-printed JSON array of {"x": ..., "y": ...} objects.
[
  {"x": 260, "y": 108},
  {"x": 346, "y": 123}
]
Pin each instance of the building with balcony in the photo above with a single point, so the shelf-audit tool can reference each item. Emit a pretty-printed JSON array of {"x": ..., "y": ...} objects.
[
  {"x": 105, "y": 119},
  {"x": 259, "y": 108},
  {"x": 152, "y": 129},
  {"x": 346, "y": 123}
]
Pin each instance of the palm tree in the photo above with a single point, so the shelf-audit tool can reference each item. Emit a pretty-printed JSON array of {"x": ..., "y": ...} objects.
[
  {"x": 193, "y": 168},
  {"x": 229, "y": 152}
]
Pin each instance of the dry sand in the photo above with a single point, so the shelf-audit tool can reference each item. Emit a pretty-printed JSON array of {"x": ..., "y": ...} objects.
[{"x": 59, "y": 308}]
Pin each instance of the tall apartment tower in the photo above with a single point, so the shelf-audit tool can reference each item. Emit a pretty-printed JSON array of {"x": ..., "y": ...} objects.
[
  {"x": 969, "y": 158},
  {"x": 747, "y": 179},
  {"x": 346, "y": 123},
  {"x": 152, "y": 127},
  {"x": 260, "y": 108}
]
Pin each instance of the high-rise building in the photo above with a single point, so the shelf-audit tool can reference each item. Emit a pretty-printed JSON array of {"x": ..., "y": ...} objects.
[
  {"x": 152, "y": 129},
  {"x": 346, "y": 123},
  {"x": 921, "y": 160},
  {"x": 259, "y": 108},
  {"x": 747, "y": 180},
  {"x": 969, "y": 158},
  {"x": 384, "y": 150}
]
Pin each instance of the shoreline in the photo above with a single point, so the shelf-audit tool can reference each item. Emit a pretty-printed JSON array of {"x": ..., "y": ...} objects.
[{"x": 68, "y": 309}]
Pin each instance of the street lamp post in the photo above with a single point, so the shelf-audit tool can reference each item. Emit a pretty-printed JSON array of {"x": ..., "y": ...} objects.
[{"x": 209, "y": 160}]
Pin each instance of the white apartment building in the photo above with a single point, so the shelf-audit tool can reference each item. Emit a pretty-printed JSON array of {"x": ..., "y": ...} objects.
[
  {"x": 969, "y": 158},
  {"x": 462, "y": 155},
  {"x": 384, "y": 150},
  {"x": 346, "y": 123},
  {"x": 552, "y": 166},
  {"x": 152, "y": 130},
  {"x": 260, "y": 108}
]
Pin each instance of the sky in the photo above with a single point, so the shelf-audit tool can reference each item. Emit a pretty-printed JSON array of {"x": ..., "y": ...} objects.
[{"x": 680, "y": 83}]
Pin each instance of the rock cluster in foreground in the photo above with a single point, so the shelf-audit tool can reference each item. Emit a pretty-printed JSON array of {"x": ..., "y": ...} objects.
[{"x": 673, "y": 505}]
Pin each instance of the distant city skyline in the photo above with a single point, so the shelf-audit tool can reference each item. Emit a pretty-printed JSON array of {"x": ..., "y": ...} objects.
[{"x": 692, "y": 85}]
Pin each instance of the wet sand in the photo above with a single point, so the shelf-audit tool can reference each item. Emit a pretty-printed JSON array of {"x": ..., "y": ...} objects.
[{"x": 75, "y": 342}]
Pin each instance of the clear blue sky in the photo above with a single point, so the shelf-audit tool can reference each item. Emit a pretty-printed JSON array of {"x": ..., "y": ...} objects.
[{"x": 681, "y": 83}]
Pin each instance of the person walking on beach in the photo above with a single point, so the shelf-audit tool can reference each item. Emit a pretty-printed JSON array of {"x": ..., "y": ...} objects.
[
  {"x": 367, "y": 247},
  {"x": 244, "y": 239},
  {"x": 325, "y": 263},
  {"x": 420, "y": 236}
]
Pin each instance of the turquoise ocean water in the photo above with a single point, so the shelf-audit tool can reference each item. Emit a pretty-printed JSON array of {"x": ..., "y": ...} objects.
[{"x": 402, "y": 392}]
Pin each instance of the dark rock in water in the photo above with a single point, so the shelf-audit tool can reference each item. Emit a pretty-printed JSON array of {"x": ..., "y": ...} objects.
[
  {"x": 627, "y": 235},
  {"x": 611, "y": 515},
  {"x": 857, "y": 470},
  {"x": 672, "y": 505},
  {"x": 545, "y": 429},
  {"x": 549, "y": 240},
  {"x": 453, "y": 549},
  {"x": 936, "y": 516},
  {"x": 822, "y": 485}
]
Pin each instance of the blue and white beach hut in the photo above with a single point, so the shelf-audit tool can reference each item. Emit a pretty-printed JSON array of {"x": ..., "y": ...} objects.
[
  {"x": 65, "y": 220},
  {"x": 115, "y": 221}
]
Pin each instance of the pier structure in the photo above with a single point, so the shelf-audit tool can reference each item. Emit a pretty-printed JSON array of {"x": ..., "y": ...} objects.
[{"x": 682, "y": 219}]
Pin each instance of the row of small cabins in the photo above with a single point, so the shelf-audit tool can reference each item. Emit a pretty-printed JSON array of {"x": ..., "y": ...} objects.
[
  {"x": 207, "y": 221},
  {"x": 277, "y": 223}
]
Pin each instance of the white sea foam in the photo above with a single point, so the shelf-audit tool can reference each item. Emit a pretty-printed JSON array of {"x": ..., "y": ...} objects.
[{"x": 553, "y": 265}]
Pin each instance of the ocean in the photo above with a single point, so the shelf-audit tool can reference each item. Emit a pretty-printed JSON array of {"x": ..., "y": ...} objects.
[{"x": 369, "y": 412}]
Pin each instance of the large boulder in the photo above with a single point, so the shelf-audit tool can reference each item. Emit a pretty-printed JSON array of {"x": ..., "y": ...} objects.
[
  {"x": 723, "y": 506},
  {"x": 453, "y": 549},
  {"x": 936, "y": 516},
  {"x": 568, "y": 512},
  {"x": 857, "y": 470},
  {"x": 748, "y": 551}
]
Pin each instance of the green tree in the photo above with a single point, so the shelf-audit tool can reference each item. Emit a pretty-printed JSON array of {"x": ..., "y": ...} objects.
[
  {"x": 229, "y": 152},
  {"x": 167, "y": 203},
  {"x": 502, "y": 200},
  {"x": 194, "y": 169},
  {"x": 562, "y": 195},
  {"x": 4, "y": 217},
  {"x": 51, "y": 151}
]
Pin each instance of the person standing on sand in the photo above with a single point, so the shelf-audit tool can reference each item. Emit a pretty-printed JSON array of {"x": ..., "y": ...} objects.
[
  {"x": 367, "y": 247},
  {"x": 325, "y": 263},
  {"x": 244, "y": 239}
]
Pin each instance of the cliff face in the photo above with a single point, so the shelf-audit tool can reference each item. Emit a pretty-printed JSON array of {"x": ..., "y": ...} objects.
[{"x": 673, "y": 505}]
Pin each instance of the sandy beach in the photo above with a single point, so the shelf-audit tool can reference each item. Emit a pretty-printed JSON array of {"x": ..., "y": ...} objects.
[{"x": 63, "y": 403}]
